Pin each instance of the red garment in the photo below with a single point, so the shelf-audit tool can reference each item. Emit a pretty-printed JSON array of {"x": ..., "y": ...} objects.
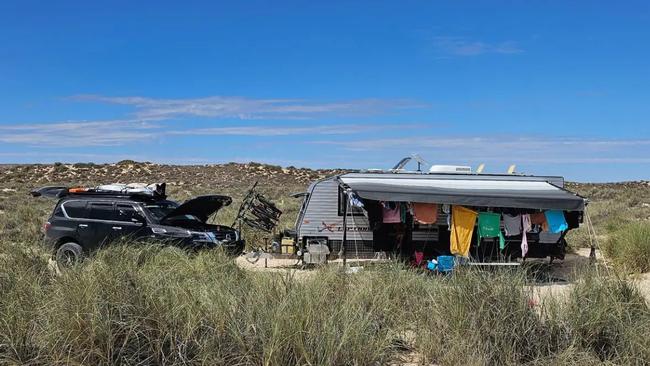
[
  {"x": 419, "y": 258},
  {"x": 425, "y": 213}
]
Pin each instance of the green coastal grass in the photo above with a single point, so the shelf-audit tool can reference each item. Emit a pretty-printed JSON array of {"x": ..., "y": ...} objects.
[{"x": 148, "y": 305}]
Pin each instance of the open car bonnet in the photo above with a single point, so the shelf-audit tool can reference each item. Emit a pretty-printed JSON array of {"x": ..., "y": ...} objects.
[{"x": 202, "y": 207}]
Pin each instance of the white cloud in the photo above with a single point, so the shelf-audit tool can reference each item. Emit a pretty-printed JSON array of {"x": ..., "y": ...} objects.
[
  {"x": 508, "y": 148},
  {"x": 79, "y": 133},
  {"x": 291, "y": 130},
  {"x": 461, "y": 46},
  {"x": 121, "y": 132},
  {"x": 252, "y": 108}
]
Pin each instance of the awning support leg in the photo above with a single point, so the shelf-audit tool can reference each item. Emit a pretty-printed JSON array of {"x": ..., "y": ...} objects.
[{"x": 345, "y": 228}]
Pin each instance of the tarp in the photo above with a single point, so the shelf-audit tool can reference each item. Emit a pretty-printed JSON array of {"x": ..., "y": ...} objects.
[{"x": 467, "y": 192}]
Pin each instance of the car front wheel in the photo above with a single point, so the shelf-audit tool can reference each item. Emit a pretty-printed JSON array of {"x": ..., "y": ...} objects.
[{"x": 69, "y": 254}]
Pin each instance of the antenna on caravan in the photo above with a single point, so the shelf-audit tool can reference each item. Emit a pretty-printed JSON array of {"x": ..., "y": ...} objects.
[
  {"x": 420, "y": 161},
  {"x": 511, "y": 169},
  {"x": 480, "y": 168},
  {"x": 402, "y": 163}
]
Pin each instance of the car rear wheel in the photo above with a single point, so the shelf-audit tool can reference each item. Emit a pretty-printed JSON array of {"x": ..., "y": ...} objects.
[{"x": 69, "y": 254}]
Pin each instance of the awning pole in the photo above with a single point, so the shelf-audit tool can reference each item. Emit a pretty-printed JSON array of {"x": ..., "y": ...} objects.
[
  {"x": 345, "y": 226},
  {"x": 592, "y": 237}
]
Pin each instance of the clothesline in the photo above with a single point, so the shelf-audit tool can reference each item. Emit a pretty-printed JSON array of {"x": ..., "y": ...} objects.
[{"x": 464, "y": 220}]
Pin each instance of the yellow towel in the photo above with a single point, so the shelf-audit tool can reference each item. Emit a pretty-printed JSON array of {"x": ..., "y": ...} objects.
[{"x": 462, "y": 227}]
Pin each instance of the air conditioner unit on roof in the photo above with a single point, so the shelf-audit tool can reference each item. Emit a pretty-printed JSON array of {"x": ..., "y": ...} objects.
[{"x": 462, "y": 169}]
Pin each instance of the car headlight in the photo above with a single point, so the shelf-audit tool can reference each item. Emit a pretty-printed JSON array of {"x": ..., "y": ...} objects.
[{"x": 158, "y": 230}]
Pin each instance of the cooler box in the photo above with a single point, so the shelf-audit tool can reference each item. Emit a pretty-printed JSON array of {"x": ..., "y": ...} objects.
[{"x": 287, "y": 246}]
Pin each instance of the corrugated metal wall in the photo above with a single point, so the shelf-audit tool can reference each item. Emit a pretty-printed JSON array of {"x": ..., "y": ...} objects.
[{"x": 321, "y": 217}]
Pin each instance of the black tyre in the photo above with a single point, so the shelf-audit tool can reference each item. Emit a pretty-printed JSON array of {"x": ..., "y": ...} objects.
[{"x": 69, "y": 254}]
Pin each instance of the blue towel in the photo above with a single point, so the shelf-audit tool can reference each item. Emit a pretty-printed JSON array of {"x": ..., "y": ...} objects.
[{"x": 556, "y": 221}]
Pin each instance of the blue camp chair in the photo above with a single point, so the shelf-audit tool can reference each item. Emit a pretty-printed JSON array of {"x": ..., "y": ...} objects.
[{"x": 446, "y": 263}]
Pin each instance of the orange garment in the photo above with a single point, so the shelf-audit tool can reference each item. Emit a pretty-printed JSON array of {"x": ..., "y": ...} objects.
[
  {"x": 462, "y": 227},
  {"x": 425, "y": 213},
  {"x": 539, "y": 218}
]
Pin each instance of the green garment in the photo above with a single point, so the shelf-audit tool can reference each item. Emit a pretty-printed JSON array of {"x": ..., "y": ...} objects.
[{"x": 489, "y": 226}]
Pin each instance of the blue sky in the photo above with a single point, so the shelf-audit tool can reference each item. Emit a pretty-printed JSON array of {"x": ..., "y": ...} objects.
[{"x": 555, "y": 87}]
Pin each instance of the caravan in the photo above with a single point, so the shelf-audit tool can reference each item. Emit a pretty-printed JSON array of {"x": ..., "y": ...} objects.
[{"x": 342, "y": 214}]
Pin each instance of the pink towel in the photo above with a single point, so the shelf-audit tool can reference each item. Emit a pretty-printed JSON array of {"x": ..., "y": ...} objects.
[{"x": 391, "y": 216}]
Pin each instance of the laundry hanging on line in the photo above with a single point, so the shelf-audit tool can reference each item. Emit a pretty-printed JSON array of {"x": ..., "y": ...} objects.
[
  {"x": 391, "y": 213},
  {"x": 556, "y": 221},
  {"x": 403, "y": 211},
  {"x": 539, "y": 218},
  {"x": 355, "y": 201},
  {"x": 512, "y": 224},
  {"x": 425, "y": 213},
  {"x": 489, "y": 226},
  {"x": 462, "y": 227},
  {"x": 526, "y": 226}
]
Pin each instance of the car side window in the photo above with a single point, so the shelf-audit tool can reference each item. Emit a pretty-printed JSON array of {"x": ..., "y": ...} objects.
[
  {"x": 125, "y": 212},
  {"x": 75, "y": 209},
  {"x": 101, "y": 211},
  {"x": 58, "y": 212}
]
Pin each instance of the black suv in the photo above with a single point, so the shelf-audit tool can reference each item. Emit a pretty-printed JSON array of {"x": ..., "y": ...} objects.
[{"x": 83, "y": 222}]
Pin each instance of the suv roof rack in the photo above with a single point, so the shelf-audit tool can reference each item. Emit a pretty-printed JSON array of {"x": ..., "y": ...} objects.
[
  {"x": 152, "y": 191},
  {"x": 112, "y": 195}
]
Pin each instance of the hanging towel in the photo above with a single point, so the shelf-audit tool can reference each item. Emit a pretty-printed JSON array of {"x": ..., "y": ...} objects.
[
  {"x": 556, "y": 221},
  {"x": 462, "y": 227},
  {"x": 425, "y": 213},
  {"x": 512, "y": 224},
  {"x": 539, "y": 218},
  {"x": 391, "y": 213},
  {"x": 489, "y": 226},
  {"x": 525, "y": 227},
  {"x": 403, "y": 210}
]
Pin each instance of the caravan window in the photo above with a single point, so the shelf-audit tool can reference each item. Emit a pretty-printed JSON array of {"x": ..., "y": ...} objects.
[{"x": 352, "y": 210}]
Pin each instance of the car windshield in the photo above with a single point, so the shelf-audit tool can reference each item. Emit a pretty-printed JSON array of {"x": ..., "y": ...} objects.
[{"x": 161, "y": 209}]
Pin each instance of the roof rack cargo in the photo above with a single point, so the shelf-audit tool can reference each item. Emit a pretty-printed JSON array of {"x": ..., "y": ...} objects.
[{"x": 155, "y": 190}]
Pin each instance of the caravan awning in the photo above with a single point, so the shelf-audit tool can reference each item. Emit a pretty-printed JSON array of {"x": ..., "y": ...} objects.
[{"x": 468, "y": 192}]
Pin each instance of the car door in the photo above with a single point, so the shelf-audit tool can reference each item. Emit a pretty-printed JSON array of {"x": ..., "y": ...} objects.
[
  {"x": 101, "y": 222},
  {"x": 74, "y": 222},
  {"x": 129, "y": 222}
]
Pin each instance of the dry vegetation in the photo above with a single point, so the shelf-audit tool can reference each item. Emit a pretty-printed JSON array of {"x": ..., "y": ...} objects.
[{"x": 148, "y": 305}]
